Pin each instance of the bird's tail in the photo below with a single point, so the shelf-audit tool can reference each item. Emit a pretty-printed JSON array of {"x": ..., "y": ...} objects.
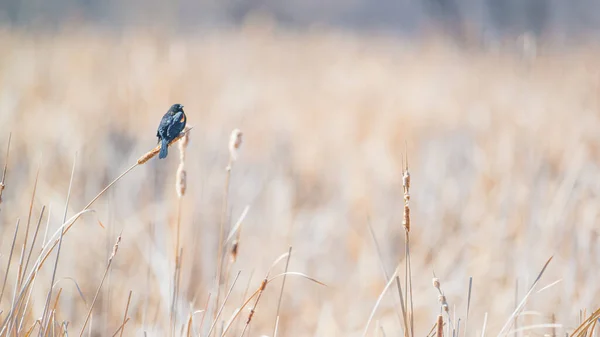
[{"x": 164, "y": 149}]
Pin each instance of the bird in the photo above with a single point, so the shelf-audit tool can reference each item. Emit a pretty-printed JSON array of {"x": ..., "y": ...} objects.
[{"x": 171, "y": 125}]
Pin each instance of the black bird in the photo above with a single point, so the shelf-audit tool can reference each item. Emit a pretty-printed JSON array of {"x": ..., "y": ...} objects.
[{"x": 170, "y": 127}]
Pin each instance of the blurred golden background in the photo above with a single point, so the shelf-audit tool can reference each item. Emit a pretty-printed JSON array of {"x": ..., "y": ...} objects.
[{"x": 502, "y": 142}]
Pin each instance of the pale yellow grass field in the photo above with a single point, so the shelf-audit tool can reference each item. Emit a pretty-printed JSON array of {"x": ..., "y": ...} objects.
[{"x": 503, "y": 155}]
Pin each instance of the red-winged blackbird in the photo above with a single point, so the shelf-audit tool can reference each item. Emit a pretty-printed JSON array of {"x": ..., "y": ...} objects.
[{"x": 170, "y": 127}]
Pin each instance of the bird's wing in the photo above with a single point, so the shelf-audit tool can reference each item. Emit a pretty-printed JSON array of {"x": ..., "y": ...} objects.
[{"x": 172, "y": 122}]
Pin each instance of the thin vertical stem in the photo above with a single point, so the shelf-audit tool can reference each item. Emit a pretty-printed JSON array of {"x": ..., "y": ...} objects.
[{"x": 60, "y": 240}]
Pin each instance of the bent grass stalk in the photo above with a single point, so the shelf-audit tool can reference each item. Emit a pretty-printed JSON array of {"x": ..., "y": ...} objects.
[
  {"x": 510, "y": 322},
  {"x": 258, "y": 291},
  {"x": 385, "y": 289}
]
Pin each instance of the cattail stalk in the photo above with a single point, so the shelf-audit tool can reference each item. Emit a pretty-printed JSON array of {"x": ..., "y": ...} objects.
[
  {"x": 180, "y": 187},
  {"x": 60, "y": 241},
  {"x": 444, "y": 307},
  {"x": 287, "y": 264},
  {"x": 12, "y": 248},
  {"x": 3, "y": 181},
  {"x": 235, "y": 142},
  {"x": 408, "y": 272},
  {"x": 122, "y": 327}
]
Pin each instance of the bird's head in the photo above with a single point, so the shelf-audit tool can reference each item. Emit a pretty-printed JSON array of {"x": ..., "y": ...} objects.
[{"x": 175, "y": 108}]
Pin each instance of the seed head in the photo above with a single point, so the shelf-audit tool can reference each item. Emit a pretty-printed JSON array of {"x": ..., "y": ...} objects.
[
  {"x": 440, "y": 326},
  {"x": 235, "y": 142},
  {"x": 234, "y": 250},
  {"x": 436, "y": 283},
  {"x": 442, "y": 300},
  {"x": 406, "y": 180},
  {"x": 115, "y": 248},
  {"x": 181, "y": 182}
]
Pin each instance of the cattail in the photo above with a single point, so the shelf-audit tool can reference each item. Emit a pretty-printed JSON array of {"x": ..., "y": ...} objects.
[
  {"x": 181, "y": 182},
  {"x": 2, "y": 186},
  {"x": 442, "y": 300},
  {"x": 115, "y": 248},
  {"x": 150, "y": 154},
  {"x": 234, "y": 250},
  {"x": 235, "y": 142},
  {"x": 406, "y": 214},
  {"x": 406, "y": 185},
  {"x": 181, "y": 177},
  {"x": 440, "y": 326}
]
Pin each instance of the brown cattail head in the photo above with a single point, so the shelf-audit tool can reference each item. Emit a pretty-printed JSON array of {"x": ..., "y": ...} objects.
[
  {"x": 150, "y": 154},
  {"x": 234, "y": 250},
  {"x": 406, "y": 218},
  {"x": 2, "y": 186},
  {"x": 181, "y": 181},
  {"x": 440, "y": 326},
  {"x": 263, "y": 285},
  {"x": 436, "y": 283},
  {"x": 250, "y": 315},
  {"x": 235, "y": 142}
]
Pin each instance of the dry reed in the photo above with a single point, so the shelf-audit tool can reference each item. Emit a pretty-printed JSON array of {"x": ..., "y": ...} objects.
[
  {"x": 287, "y": 264},
  {"x": 258, "y": 293},
  {"x": 180, "y": 187},
  {"x": 110, "y": 260},
  {"x": 20, "y": 304},
  {"x": 60, "y": 240},
  {"x": 125, "y": 318},
  {"x": 235, "y": 142},
  {"x": 408, "y": 304},
  {"x": 3, "y": 180}
]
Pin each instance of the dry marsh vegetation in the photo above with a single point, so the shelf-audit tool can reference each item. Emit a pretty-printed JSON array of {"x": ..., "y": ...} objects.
[{"x": 314, "y": 190}]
